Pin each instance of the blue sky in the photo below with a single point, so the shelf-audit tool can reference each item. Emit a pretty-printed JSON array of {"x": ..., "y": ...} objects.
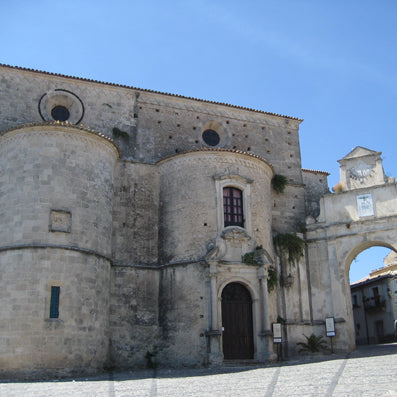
[{"x": 331, "y": 63}]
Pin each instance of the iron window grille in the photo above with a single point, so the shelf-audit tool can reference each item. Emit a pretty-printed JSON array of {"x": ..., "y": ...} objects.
[{"x": 233, "y": 207}]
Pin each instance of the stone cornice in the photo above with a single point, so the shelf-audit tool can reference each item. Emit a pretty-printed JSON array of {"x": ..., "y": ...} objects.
[
  {"x": 328, "y": 230},
  {"x": 216, "y": 150},
  {"x": 61, "y": 126},
  {"x": 100, "y": 255},
  {"x": 159, "y": 266},
  {"x": 55, "y": 246}
]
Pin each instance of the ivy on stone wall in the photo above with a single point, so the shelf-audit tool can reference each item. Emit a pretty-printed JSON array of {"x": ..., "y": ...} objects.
[
  {"x": 272, "y": 280},
  {"x": 279, "y": 182},
  {"x": 117, "y": 133},
  {"x": 289, "y": 244},
  {"x": 250, "y": 258},
  {"x": 281, "y": 320}
]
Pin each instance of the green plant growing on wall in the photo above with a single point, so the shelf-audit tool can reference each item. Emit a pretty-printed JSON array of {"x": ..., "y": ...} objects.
[
  {"x": 117, "y": 133},
  {"x": 250, "y": 258},
  {"x": 272, "y": 280},
  {"x": 281, "y": 320},
  {"x": 279, "y": 182},
  {"x": 290, "y": 244},
  {"x": 313, "y": 344}
]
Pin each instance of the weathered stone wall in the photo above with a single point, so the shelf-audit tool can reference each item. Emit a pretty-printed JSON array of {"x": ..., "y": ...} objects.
[
  {"x": 176, "y": 125},
  {"x": 145, "y": 228},
  {"x": 183, "y": 315},
  {"x": 135, "y": 214},
  {"x": 344, "y": 209},
  {"x": 190, "y": 203},
  {"x": 56, "y": 185},
  {"x": 32, "y": 344},
  {"x": 26, "y": 98},
  {"x": 157, "y": 125},
  {"x": 288, "y": 212},
  {"x": 316, "y": 185},
  {"x": 335, "y": 240},
  {"x": 295, "y": 300},
  {"x": 56, "y": 195},
  {"x": 170, "y": 125},
  {"x": 134, "y": 316}
]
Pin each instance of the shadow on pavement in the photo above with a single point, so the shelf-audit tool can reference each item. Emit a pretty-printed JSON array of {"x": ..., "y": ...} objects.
[{"x": 115, "y": 376}]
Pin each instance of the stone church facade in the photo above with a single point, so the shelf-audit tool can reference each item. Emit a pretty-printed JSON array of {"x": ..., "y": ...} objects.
[{"x": 127, "y": 216}]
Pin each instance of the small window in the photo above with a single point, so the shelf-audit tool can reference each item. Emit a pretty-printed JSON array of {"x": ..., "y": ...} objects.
[
  {"x": 211, "y": 137},
  {"x": 60, "y": 113},
  {"x": 233, "y": 207},
  {"x": 375, "y": 292},
  {"x": 54, "y": 304}
]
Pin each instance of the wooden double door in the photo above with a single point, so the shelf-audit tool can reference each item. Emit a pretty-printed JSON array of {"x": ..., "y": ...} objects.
[{"x": 237, "y": 325}]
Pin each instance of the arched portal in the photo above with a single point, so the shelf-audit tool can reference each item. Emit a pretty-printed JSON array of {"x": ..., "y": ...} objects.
[
  {"x": 238, "y": 342},
  {"x": 373, "y": 297},
  {"x": 361, "y": 247},
  {"x": 366, "y": 262}
]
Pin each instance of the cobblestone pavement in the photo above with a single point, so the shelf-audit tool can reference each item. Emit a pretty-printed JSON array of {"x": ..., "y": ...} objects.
[{"x": 369, "y": 371}]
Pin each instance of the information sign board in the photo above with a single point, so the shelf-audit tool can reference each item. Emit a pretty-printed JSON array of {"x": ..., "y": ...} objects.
[
  {"x": 330, "y": 326},
  {"x": 277, "y": 333}
]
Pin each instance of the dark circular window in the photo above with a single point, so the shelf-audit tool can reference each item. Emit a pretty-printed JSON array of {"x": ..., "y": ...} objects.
[
  {"x": 60, "y": 113},
  {"x": 211, "y": 137}
]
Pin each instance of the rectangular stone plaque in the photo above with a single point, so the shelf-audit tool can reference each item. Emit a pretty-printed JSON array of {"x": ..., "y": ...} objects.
[
  {"x": 60, "y": 221},
  {"x": 365, "y": 205}
]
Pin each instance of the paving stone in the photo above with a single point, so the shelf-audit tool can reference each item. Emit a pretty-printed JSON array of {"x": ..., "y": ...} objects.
[{"x": 369, "y": 371}]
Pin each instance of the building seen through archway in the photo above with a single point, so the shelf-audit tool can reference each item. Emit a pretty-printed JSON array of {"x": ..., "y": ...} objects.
[{"x": 374, "y": 300}]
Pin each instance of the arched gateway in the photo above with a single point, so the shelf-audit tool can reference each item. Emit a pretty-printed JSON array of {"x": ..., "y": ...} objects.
[{"x": 360, "y": 214}]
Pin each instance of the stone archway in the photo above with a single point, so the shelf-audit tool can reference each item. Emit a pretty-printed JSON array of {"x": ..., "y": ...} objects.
[
  {"x": 370, "y": 308},
  {"x": 237, "y": 322},
  {"x": 361, "y": 248},
  {"x": 362, "y": 213}
]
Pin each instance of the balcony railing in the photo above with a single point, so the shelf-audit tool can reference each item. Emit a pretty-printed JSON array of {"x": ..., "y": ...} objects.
[{"x": 374, "y": 304}]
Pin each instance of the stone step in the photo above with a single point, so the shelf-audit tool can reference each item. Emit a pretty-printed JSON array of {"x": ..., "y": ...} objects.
[{"x": 241, "y": 363}]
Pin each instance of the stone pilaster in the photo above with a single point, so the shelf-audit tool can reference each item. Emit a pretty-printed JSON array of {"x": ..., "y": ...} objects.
[{"x": 215, "y": 356}]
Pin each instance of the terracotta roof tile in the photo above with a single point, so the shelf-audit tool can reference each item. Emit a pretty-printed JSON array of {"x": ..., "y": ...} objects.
[{"x": 315, "y": 171}]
